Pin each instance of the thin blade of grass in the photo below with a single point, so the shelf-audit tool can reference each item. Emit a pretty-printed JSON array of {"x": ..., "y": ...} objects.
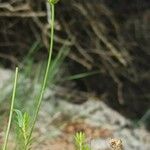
[
  {"x": 81, "y": 75},
  {"x": 11, "y": 110}
]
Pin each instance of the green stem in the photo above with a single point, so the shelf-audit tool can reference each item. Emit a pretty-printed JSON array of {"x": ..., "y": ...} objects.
[
  {"x": 46, "y": 72},
  {"x": 11, "y": 110}
]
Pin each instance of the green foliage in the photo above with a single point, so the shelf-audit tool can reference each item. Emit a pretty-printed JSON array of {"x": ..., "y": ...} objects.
[
  {"x": 80, "y": 141},
  {"x": 24, "y": 126},
  {"x": 81, "y": 75},
  {"x": 56, "y": 64},
  {"x": 22, "y": 130}
]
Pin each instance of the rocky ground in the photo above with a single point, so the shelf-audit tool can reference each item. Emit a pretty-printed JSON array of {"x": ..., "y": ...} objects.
[
  {"x": 97, "y": 120},
  {"x": 60, "y": 119}
]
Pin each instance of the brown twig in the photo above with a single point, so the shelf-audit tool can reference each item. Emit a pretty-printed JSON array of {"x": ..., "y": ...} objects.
[
  {"x": 8, "y": 57},
  {"x": 9, "y": 7},
  {"x": 23, "y": 14}
]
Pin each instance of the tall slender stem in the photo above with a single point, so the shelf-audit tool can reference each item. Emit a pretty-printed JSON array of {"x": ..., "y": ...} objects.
[
  {"x": 46, "y": 72},
  {"x": 11, "y": 110}
]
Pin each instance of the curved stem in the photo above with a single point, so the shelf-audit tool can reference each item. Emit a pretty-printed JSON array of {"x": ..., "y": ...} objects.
[
  {"x": 11, "y": 110},
  {"x": 46, "y": 72}
]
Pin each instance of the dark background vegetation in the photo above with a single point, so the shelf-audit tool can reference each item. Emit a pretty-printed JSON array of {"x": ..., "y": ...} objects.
[{"x": 111, "y": 37}]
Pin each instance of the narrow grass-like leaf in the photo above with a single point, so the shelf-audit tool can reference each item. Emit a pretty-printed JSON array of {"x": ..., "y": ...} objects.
[
  {"x": 11, "y": 110},
  {"x": 19, "y": 118},
  {"x": 81, "y": 75}
]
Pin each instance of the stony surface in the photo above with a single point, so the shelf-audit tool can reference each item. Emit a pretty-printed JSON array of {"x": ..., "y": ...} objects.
[
  {"x": 59, "y": 120},
  {"x": 97, "y": 120}
]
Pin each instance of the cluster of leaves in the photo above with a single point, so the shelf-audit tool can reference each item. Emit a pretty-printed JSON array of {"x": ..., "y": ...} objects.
[
  {"x": 23, "y": 130},
  {"x": 80, "y": 141}
]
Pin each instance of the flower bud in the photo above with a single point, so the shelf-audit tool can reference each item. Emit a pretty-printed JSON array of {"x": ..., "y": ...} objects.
[{"x": 53, "y": 1}]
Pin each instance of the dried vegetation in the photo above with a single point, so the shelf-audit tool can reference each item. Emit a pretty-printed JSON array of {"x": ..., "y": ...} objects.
[{"x": 112, "y": 38}]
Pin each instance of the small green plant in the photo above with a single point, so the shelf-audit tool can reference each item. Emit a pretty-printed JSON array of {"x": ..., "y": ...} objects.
[
  {"x": 24, "y": 127},
  {"x": 22, "y": 130},
  {"x": 80, "y": 141}
]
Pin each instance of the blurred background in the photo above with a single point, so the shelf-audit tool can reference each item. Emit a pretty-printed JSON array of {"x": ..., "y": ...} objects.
[{"x": 101, "y": 52}]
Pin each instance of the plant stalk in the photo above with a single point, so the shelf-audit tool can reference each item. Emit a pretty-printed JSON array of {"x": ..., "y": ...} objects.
[
  {"x": 11, "y": 110},
  {"x": 46, "y": 72}
]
